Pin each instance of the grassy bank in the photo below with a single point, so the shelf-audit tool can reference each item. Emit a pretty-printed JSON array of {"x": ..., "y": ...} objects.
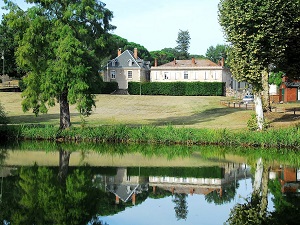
[
  {"x": 179, "y": 111},
  {"x": 169, "y": 135}
]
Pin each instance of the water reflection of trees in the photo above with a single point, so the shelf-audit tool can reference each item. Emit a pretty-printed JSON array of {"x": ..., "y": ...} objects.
[
  {"x": 254, "y": 210},
  {"x": 226, "y": 196},
  {"x": 181, "y": 206},
  {"x": 58, "y": 203}
]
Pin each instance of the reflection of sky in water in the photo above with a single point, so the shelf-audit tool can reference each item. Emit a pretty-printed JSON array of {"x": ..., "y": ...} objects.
[{"x": 161, "y": 211}]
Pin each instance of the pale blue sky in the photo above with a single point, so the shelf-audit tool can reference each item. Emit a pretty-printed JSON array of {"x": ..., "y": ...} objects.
[{"x": 155, "y": 23}]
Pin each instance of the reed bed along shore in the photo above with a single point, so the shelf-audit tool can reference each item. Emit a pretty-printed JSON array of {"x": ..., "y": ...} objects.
[{"x": 169, "y": 135}]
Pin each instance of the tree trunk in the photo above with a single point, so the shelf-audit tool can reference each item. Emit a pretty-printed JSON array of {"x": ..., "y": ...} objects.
[
  {"x": 259, "y": 111},
  {"x": 266, "y": 94},
  {"x": 264, "y": 191},
  {"x": 65, "y": 121},
  {"x": 64, "y": 159},
  {"x": 258, "y": 176}
]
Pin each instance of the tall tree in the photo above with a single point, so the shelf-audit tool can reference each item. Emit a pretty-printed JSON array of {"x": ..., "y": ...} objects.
[
  {"x": 183, "y": 44},
  {"x": 257, "y": 31},
  {"x": 7, "y": 47},
  {"x": 119, "y": 42},
  {"x": 163, "y": 56},
  {"x": 215, "y": 54},
  {"x": 61, "y": 45}
]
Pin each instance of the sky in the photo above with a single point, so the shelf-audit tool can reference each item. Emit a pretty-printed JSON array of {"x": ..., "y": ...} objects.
[{"x": 155, "y": 24}]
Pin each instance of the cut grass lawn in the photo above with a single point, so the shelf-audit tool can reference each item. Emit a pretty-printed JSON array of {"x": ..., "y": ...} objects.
[{"x": 179, "y": 111}]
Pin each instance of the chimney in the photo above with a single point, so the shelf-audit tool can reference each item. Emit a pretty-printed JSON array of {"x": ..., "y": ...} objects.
[
  {"x": 119, "y": 51},
  {"x": 193, "y": 61},
  {"x": 174, "y": 61},
  {"x": 155, "y": 62},
  {"x": 117, "y": 199},
  {"x": 135, "y": 53},
  {"x": 222, "y": 61},
  {"x": 133, "y": 198}
]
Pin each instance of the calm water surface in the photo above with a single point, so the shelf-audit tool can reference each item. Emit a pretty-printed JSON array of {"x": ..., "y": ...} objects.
[{"x": 49, "y": 183}]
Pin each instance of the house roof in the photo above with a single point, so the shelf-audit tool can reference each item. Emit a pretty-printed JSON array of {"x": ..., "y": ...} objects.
[
  {"x": 124, "y": 59},
  {"x": 190, "y": 63}
]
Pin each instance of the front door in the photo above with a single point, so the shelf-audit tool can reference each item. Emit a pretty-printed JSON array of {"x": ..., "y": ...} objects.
[{"x": 282, "y": 94}]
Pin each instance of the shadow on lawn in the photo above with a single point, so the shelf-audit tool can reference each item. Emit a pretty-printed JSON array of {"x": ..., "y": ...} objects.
[
  {"x": 287, "y": 117},
  {"x": 204, "y": 116},
  {"x": 32, "y": 119}
]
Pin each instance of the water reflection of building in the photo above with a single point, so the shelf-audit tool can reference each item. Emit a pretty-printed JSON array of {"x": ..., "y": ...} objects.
[
  {"x": 289, "y": 179},
  {"x": 127, "y": 187},
  {"x": 123, "y": 186},
  {"x": 191, "y": 185}
]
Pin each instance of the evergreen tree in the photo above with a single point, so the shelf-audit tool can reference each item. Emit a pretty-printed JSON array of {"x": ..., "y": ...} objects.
[{"x": 183, "y": 44}]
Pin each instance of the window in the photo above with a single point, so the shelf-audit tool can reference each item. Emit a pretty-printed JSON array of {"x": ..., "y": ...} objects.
[
  {"x": 129, "y": 74},
  {"x": 186, "y": 75},
  {"x": 130, "y": 62},
  {"x": 215, "y": 75},
  {"x": 166, "y": 76},
  {"x": 205, "y": 76},
  {"x": 113, "y": 74},
  {"x": 113, "y": 62},
  {"x": 195, "y": 76}
]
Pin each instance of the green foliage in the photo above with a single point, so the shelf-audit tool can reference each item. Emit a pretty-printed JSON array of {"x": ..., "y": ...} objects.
[
  {"x": 215, "y": 54},
  {"x": 119, "y": 42},
  {"x": 183, "y": 44},
  {"x": 248, "y": 213},
  {"x": 276, "y": 78},
  {"x": 63, "y": 56},
  {"x": 270, "y": 138},
  {"x": 109, "y": 87},
  {"x": 257, "y": 32},
  {"x": 177, "y": 88},
  {"x": 163, "y": 56},
  {"x": 181, "y": 206},
  {"x": 203, "y": 172},
  {"x": 253, "y": 126},
  {"x": 8, "y": 47},
  {"x": 3, "y": 117}
]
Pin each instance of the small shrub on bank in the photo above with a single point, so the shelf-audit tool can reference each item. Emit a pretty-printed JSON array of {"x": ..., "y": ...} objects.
[{"x": 3, "y": 117}]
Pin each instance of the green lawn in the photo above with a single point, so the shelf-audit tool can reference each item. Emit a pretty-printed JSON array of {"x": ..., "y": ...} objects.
[{"x": 197, "y": 112}]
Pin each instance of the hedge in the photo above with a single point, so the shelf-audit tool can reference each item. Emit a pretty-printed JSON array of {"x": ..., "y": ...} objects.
[
  {"x": 177, "y": 88},
  {"x": 109, "y": 87}
]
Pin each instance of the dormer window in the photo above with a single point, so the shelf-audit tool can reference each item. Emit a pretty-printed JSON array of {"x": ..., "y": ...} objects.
[
  {"x": 114, "y": 62},
  {"x": 130, "y": 62}
]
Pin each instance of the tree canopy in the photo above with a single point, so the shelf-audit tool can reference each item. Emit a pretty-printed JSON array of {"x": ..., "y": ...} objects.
[
  {"x": 258, "y": 32},
  {"x": 183, "y": 44},
  {"x": 215, "y": 54},
  {"x": 60, "y": 46},
  {"x": 119, "y": 42}
]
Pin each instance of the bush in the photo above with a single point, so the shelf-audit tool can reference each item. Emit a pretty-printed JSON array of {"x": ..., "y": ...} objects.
[{"x": 3, "y": 117}]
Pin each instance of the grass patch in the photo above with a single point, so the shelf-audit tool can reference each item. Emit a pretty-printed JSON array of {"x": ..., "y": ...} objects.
[{"x": 169, "y": 135}]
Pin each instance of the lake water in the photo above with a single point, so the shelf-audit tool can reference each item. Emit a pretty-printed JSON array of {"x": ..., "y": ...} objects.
[{"x": 50, "y": 183}]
